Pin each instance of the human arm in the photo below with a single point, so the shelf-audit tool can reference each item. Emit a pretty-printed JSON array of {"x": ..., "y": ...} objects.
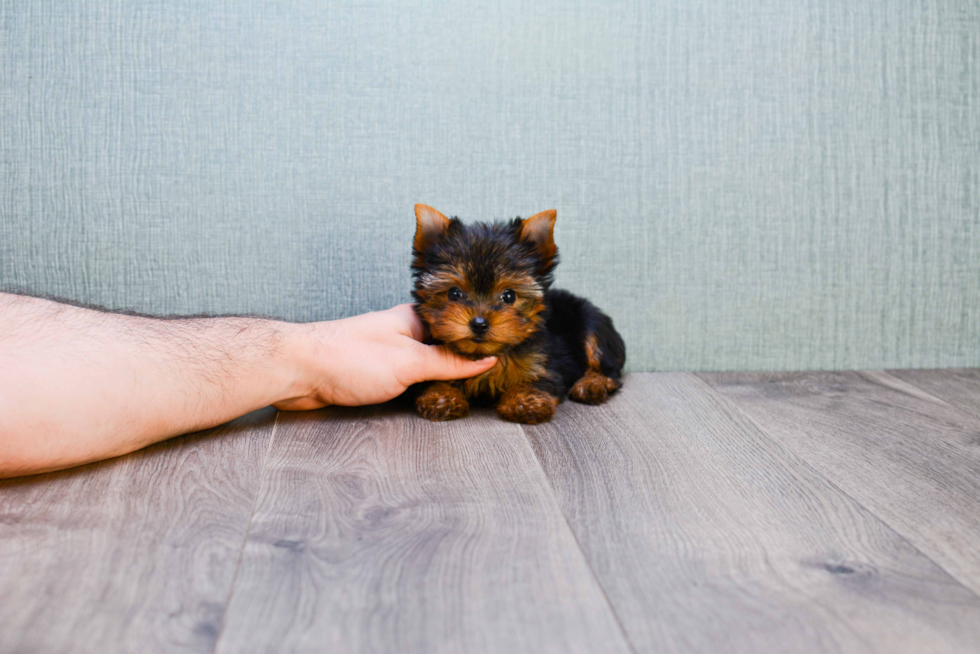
[{"x": 79, "y": 385}]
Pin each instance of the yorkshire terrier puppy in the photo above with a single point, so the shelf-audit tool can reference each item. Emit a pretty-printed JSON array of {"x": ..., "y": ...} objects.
[{"x": 485, "y": 290}]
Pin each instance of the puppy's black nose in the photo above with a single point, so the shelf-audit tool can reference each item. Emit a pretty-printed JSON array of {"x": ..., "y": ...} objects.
[{"x": 479, "y": 325}]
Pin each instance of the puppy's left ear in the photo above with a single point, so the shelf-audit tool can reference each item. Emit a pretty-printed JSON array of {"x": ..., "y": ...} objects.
[{"x": 539, "y": 230}]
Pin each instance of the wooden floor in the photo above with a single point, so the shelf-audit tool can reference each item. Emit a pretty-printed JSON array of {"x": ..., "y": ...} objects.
[{"x": 736, "y": 512}]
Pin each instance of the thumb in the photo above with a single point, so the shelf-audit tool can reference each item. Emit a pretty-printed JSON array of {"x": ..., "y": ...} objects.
[{"x": 439, "y": 363}]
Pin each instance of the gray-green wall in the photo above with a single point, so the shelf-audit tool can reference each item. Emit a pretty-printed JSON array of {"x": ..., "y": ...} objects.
[{"x": 742, "y": 184}]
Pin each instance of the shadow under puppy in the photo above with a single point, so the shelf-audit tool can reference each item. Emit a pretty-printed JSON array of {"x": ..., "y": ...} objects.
[{"x": 485, "y": 290}]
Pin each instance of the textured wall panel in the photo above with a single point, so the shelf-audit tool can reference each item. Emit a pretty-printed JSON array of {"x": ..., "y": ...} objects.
[{"x": 742, "y": 184}]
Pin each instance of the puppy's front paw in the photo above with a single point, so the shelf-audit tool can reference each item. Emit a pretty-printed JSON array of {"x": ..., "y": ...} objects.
[
  {"x": 527, "y": 405},
  {"x": 442, "y": 401},
  {"x": 592, "y": 388}
]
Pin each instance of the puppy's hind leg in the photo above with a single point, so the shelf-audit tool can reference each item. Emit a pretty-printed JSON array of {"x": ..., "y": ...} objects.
[{"x": 595, "y": 386}]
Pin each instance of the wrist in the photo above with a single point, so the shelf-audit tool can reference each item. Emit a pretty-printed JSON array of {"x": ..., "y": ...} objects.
[{"x": 297, "y": 358}]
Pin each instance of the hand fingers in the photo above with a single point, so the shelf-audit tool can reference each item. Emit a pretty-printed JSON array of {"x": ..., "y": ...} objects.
[{"x": 440, "y": 363}]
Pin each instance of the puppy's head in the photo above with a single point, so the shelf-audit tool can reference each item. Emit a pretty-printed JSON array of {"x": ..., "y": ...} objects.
[{"x": 480, "y": 287}]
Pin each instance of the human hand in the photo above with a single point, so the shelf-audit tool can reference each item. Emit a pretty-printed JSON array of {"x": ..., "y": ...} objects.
[{"x": 367, "y": 359}]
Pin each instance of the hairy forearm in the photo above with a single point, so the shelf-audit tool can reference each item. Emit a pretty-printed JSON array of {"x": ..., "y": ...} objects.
[{"x": 78, "y": 385}]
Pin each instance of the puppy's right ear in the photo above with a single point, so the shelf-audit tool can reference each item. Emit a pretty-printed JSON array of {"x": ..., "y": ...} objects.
[{"x": 430, "y": 225}]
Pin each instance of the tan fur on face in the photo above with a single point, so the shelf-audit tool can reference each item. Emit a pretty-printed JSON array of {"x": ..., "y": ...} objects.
[
  {"x": 509, "y": 325},
  {"x": 451, "y": 324},
  {"x": 440, "y": 281},
  {"x": 525, "y": 286}
]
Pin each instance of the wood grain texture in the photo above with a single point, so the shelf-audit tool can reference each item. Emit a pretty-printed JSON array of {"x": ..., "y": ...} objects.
[
  {"x": 378, "y": 531},
  {"x": 958, "y": 387},
  {"x": 135, "y": 554},
  {"x": 708, "y": 536},
  {"x": 909, "y": 457}
]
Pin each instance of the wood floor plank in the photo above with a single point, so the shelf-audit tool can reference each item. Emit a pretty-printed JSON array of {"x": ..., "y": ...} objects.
[
  {"x": 377, "y": 531},
  {"x": 707, "y": 536},
  {"x": 135, "y": 554},
  {"x": 910, "y": 458},
  {"x": 960, "y": 387}
]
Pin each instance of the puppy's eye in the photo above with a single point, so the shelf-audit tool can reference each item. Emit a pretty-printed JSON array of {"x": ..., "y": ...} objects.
[
  {"x": 455, "y": 295},
  {"x": 508, "y": 296}
]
